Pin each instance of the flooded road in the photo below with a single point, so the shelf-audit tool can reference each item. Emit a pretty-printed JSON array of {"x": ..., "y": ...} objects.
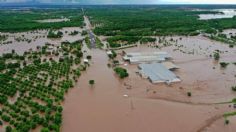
[{"x": 91, "y": 34}]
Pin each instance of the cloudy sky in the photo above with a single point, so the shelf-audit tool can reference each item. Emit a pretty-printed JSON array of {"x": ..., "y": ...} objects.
[{"x": 126, "y": 1}]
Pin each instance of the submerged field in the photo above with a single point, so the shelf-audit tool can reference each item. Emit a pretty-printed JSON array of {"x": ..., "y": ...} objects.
[
  {"x": 55, "y": 73},
  {"x": 128, "y": 25}
]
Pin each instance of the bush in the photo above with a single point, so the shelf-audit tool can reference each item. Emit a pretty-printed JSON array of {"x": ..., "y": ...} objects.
[
  {"x": 6, "y": 118},
  {"x": 231, "y": 45},
  {"x": 74, "y": 33},
  {"x": 223, "y": 64},
  {"x": 91, "y": 82},
  {"x": 2, "y": 65},
  {"x": 226, "y": 121},
  {"x": 234, "y": 88},
  {"x": 216, "y": 55},
  {"x": 89, "y": 57},
  {"x": 189, "y": 94},
  {"x": 78, "y": 73},
  {"x": 13, "y": 65},
  {"x": 113, "y": 55},
  {"x": 52, "y": 34},
  {"x": 121, "y": 72},
  {"x": 45, "y": 130},
  {"x": 8, "y": 129},
  {"x": 84, "y": 33}
]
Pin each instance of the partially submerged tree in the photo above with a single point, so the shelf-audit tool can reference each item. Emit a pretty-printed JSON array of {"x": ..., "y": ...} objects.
[
  {"x": 216, "y": 55},
  {"x": 91, "y": 82}
]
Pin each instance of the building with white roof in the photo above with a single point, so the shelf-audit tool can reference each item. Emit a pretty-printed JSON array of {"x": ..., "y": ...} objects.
[
  {"x": 138, "y": 57},
  {"x": 157, "y": 73}
]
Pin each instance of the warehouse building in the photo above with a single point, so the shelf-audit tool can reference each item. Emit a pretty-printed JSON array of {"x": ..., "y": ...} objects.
[
  {"x": 157, "y": 73},
  {"x": 146, "y": 57}
]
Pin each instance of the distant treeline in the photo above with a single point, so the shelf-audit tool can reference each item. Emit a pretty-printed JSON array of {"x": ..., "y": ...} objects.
[
  {"x": 134, "y": 21},
  {"x": 18, "y": 20}
]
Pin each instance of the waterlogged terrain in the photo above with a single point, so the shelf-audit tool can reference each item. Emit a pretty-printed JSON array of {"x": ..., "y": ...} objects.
[
  {"x": 53, "y": 20},
  {"x": 82, "y": 92},
  {"x": 24, "y": 41},
  {"x": 223, "y": 13},
  {"x": 105, "y": 106}
]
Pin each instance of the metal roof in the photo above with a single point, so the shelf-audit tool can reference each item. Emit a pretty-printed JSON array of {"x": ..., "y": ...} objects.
[
  {"x": 139, "y": 57},
  {"x": 157, "y": 73},
  {"x": 170, "y": 65}
]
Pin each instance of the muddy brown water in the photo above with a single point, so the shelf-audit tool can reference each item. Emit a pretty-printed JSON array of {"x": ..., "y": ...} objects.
[
  {"x": 226, "y": 13},
  {"x": 200, "y": 74},
  {"x": 220, "y": 126},
  {"x": 103, "y": 107},
  {"x": 22, "y": 46}
]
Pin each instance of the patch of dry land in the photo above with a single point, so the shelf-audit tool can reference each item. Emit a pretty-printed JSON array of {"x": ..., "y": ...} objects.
[{"x": 134, "y": 104}]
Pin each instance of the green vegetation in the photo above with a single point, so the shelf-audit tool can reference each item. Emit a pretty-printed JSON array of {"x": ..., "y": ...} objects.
[
  {"x": 78, "y": 72},
  {"x": 87, "y": 41},
  {"x": 233, "y": 88},
  {"x": 113, "y": 55},
  {"x": 74, "y": 33},
  {"x": 89, "y": 57},
  {"x": 33, "y": 87},
  {"x": 118, "y": 41},
  {"x": 223, "y": 38},
  {"x": 3, "y": 37},
  {"x": 121, "y": 72},
  {"x": 129, "y": 24},
  {"x": 229, "y": 114},
  {"x": 147, "y": 40},
  {"x": 84, "y": 33},
  {"x": 26, "y": 20},
  {"x": 91, "y": 82},
  {"x": 224, "y": 64},
  {"x": 99, "y": 44},
  {"x": 52, "y": 34},
  {"x": 226, "y": 121},
  {"x": 189, "y": 94},
  {"x": 216, "y": 55}
]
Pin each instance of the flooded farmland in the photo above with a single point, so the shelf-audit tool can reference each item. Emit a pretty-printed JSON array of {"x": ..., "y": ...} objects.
[
  {"x": 134, "y": 104},
  {"x": 53, "y": 20},
  {"x": 224, "y": 13},
  {"x": 105, "y": 107},
  {"x": 24, "y": 41}
]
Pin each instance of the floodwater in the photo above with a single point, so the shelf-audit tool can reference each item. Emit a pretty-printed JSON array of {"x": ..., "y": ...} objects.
[
  {"x": 136, "y": 105},
  {"x": 36, "y": 38},
  {"x": 103, "y": 107},
  {"x": 225, "y": 13},
  {"x": 200, "y": 74},
  {"x": 53, "y": 20},
  {"x": 130, "y": 105},
  {"x": 220, "y": 126}
]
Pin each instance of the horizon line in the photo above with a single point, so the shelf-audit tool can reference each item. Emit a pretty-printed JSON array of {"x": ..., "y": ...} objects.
[{"x": 27, "y": 3}]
